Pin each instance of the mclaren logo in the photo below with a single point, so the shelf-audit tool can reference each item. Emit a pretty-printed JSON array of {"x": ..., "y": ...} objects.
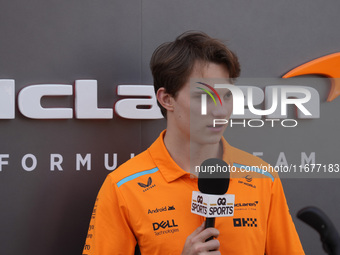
[
  {"x": 147, "y": 186},
  {"x": 85, "y": 91},
  {"x": 327, "y": 66},
  {"x": 246, "y": 206},
  {"x": 248, "y": 178}
]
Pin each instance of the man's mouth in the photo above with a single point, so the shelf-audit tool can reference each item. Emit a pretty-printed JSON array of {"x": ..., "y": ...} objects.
[{"x": 216, "y": 127}]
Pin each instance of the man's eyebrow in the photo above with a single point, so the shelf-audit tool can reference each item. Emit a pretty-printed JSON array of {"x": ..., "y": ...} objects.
[{"x": 198, "y": 91}]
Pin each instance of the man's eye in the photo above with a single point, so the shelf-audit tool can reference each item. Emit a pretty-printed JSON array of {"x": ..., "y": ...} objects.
[{"x": 228, "y": 95}]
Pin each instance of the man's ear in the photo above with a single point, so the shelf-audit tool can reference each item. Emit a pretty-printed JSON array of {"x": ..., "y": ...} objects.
[{"x": 165, "y": 99}]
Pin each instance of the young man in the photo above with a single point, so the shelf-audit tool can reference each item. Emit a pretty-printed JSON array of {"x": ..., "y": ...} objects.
[{"x": 147, "y": 200}]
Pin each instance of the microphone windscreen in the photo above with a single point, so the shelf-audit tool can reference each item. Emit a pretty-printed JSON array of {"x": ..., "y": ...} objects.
[{"x": 214, "y": 177}]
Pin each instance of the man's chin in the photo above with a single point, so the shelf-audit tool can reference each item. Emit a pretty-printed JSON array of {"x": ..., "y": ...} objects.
[{"x": 206, "y": 139}]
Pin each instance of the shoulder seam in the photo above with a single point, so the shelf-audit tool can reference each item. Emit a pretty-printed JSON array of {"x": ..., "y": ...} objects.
[{"x": 136, "y": 175}]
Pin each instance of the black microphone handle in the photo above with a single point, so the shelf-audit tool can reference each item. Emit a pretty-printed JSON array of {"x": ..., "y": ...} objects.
[{"x": 209, "y": 223}]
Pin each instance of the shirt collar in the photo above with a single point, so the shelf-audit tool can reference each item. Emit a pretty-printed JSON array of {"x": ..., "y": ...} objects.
[
  {"x": 168, "y": 167},
  {"x": 227, "y": 152}
]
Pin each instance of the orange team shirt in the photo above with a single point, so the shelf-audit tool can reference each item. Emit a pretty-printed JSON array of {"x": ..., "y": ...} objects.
[{"x": 148, "y": 200}]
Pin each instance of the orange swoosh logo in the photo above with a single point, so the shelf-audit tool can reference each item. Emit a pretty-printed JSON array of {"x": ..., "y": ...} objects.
[{"x": 328, "y": 66}]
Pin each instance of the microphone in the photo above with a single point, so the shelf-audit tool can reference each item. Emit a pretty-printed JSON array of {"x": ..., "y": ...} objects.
[
  {"x": 211, "y": 200},
  {"x": 318, "y": 220}
]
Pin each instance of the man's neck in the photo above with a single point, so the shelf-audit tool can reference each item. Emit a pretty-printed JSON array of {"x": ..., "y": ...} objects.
[{"x": 188, "y": 154}]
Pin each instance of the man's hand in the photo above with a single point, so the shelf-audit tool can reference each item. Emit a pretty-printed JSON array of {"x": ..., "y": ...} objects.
[{"x": 196, "y": 245}]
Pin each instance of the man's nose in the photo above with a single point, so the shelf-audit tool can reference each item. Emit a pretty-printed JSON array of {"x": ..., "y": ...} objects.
[{"x": 220, "y": 111}]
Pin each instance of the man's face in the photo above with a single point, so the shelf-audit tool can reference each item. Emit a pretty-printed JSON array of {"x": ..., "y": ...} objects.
[{"x": 188, "y": 104}]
